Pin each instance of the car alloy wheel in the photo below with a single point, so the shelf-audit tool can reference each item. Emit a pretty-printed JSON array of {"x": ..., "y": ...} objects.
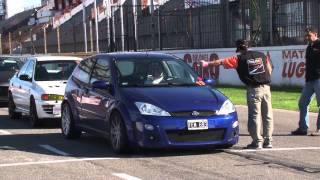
[
  {"x": 65, "y": 118},
  {"x": 118, "y": 135},
  {"x": 68, "y": 128}
]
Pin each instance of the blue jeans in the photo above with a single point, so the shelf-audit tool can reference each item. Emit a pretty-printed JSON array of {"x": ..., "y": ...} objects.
[{"x": 310, "y": 89}]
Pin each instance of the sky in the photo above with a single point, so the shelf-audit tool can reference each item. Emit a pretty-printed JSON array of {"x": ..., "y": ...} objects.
[{"x": 16, "y": 6}]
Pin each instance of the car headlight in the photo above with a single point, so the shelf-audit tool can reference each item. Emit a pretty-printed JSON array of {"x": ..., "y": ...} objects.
[
  {"x": 226, "y": 108},
  {"x": 151, "y": 110}
]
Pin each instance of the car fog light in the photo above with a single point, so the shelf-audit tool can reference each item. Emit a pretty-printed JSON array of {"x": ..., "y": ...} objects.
[
  {"x": 235, "y": 124},
  {"x": 151, "y": 138},
  {"x": 149, "y": 127}
]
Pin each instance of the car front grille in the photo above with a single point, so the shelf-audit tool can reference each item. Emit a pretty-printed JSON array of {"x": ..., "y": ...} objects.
[
  {"x": 200, "y": 113},
  {"x": 196, "y": 135},
  {"x": 48, "y": 109}
]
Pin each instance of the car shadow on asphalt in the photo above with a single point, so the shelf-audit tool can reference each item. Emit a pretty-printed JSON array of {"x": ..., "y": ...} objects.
[
  {"x": 24, "y": 123},
  {"x": 88, "y": 146}
]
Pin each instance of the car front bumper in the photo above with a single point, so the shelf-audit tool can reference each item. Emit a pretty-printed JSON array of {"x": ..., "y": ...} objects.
[
  {"x": 173, "y": 131},
  {"x": 48, "y": 109}
]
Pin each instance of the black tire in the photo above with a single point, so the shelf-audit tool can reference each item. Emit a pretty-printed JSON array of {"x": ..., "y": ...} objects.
[
  {"x": 118, "y": 134},
  {"x": 12, "y": 109},
  {"x": 68, "y": 127},
  {"x": 33, "y": 115}
]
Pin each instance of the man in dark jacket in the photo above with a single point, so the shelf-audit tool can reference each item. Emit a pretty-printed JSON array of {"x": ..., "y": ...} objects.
[
  {"x": 254, "y": 70},
  {"x": 312, "y": 85}
]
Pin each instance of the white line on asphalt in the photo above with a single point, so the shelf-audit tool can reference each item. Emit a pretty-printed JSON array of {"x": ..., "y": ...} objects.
[
  {"x": 125, "y": 176},
  {"x": 275, "y": 149},
  {"x": 3, "y": 132},
  {"x": 53, "y": 149},
  {"x": 55, "y": 161}
]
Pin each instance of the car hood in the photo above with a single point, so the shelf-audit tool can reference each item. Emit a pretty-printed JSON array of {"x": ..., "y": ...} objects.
[
  {"x": 52, "y": 87},
  {"x": 174, "y": 99}
]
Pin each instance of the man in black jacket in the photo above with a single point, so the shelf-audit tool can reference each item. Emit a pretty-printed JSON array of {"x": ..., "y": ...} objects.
[
  {"x": 254, "y": 70},
  {"x": 312, "y": 85}
]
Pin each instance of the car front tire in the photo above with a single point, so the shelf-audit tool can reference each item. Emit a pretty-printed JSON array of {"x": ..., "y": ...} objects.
[
  {"x": 118, "y": 134},
  {"x": 33, "y": 115},
  {"x": 12, "y": 109},
  {"x": 68, "y": 128}
]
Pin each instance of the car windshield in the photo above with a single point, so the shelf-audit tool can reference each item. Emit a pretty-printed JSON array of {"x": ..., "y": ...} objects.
[
  {"x": 154, "y": 72},
  {"x": 9, "y": 64},
  {"x": 53, "y": 70}
]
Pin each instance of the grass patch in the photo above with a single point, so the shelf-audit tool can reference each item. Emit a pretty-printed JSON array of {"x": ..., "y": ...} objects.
[{"x": 282, "y": 97}]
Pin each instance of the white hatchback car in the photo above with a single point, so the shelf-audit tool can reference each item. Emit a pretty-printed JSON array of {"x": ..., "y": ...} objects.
[{"x": 38, "y": 88}]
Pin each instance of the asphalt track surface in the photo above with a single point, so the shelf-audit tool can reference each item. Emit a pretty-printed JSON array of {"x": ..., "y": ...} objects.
[{"x": 43, "y": 153}]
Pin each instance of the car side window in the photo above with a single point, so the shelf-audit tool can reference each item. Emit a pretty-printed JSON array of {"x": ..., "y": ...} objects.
[
  {"x": 101, "y": 71},
  {"x": 23, "y": 69},
  {"x": 83, "y": 70},
  {"x": 30, "y": 69}
]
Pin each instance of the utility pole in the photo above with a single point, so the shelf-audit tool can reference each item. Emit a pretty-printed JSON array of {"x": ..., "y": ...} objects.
[
  {"x": 84, "y": 26},
  {"x": 97, "y": 25}
]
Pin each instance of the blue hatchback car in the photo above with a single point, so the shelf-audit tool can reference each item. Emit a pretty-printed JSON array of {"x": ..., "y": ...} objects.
[{"x": 147, "y": 100}]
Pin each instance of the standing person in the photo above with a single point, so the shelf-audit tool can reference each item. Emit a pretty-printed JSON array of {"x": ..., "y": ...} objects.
[
  {"x": 312, "y": 85},
  {"x": 254, "y": 70}
]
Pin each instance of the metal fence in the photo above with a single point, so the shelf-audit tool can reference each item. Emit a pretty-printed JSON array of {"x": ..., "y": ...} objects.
[{"x": 181, "y": 24}]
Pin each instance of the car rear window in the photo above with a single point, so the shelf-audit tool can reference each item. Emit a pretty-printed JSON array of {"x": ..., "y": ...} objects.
[
  {"x": 8, "y": 65},
  {"x": 54, "y": 70}
]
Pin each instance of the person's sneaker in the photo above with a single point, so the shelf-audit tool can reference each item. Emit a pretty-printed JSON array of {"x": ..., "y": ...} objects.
[
  {"x": 267, "y": 144},
  {"x": 316, "y": 133},
  {"x": 298, "y": 132},
  {"x": 254, "y": 145}
]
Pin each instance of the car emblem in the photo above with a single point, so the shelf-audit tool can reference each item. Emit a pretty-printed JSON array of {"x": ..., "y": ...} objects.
[{"x": 195, "y": 113}]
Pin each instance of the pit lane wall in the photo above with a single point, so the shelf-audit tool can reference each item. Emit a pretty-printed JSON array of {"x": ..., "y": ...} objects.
[{"x": 288, "y": 61}]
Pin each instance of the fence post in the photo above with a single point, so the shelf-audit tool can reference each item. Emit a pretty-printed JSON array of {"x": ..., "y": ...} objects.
[
  {"x": 84, "y": 27},
  {"x": 122, "y": 27},
  {"x": 97, "y": 25},
  {"x": 271, "y": 22},
  {"x": 45, "y": 39},
  {"x": 20, "y": 41},
  {"x": 10, "y": 45},
  {"x": 159, "y": 30},
  {"x": 152, "y": 25},
  {"x": 58, "y": 39},
  {"x": 0, "y": 43},
  {"x": 135, "y": 21},
  {"x": 91, "y": 36}
]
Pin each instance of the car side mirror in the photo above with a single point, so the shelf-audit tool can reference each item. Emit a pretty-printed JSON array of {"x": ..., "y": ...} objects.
[
  {"x": 101, "y": 85},
  {"x": 210, "y": 82},
  {"x": 24, "y": 77}
]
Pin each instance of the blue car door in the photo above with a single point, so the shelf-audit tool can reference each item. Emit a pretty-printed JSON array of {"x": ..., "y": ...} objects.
[
  {"x": 80, "y": 78},
  {"x": 96, "y": 102}
]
